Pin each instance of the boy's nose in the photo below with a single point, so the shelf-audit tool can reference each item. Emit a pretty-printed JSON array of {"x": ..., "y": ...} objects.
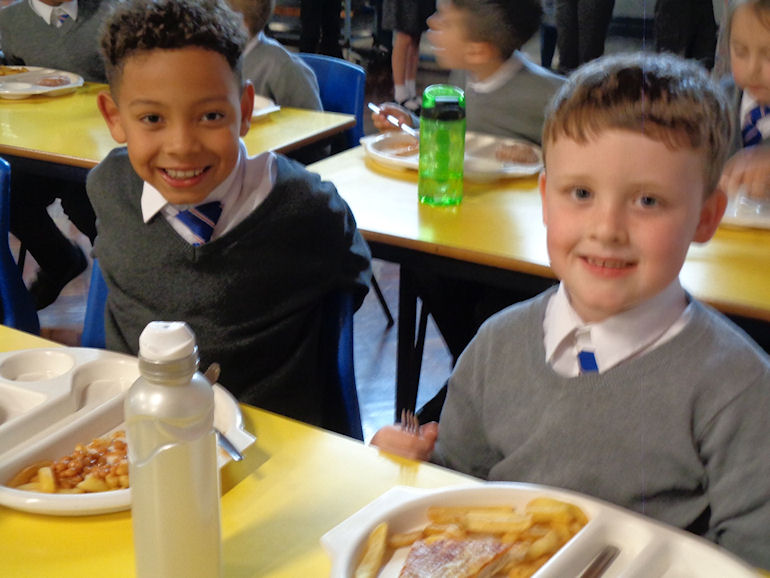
[
  {"x": 608, "y": 225},
  {"x": 181, "y": 139}
]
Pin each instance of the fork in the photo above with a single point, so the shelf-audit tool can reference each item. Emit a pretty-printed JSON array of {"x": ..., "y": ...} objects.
[{"x": 410, "y": 422}]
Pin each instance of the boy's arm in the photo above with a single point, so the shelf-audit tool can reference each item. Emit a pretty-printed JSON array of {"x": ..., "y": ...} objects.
[
  {"x": 735, "y": 449},
  {"x": 748, "y": 168}
]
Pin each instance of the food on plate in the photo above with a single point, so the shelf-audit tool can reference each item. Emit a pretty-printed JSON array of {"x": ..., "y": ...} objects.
[
  {"x": 54, "y": 80},
  {"x": 100, "y": 466},
  {"x": 516, "y": 153},
  {"x": 480, "y": 541},
  {"x": 404, "y": 145},
  {"x": 8, "y": 70},
  {"x": 374, "y": 551}
]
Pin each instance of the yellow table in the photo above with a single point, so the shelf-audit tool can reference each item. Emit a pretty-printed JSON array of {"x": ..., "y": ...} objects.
[
  {"x": 69, "y": 130},
  {"x": 497, "y": 235},
  {"x": 296, "y": 483}
]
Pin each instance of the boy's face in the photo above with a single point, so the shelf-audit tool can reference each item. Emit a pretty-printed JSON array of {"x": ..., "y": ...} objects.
[
  {"x": 180, "y": 113},
  {"x": 750, "y": 53},
  {"x": 447, "y": 35},
  {"x": 621, "y": 211}
]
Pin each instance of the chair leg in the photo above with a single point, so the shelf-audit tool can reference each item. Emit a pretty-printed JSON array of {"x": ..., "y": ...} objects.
[{"x": 383, "y": 303}]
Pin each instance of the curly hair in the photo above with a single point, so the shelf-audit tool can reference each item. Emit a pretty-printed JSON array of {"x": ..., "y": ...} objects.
[
  {"x": 663, "y": 96},
  {"x": 506, "y": 24},
  {"x": 256, "y": 13},
  {"x": 142, "y": 25}
]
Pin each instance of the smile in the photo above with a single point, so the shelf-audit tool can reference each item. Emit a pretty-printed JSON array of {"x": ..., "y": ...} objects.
[
  {"x": 607, "y": 263},
  {"x": 184, "y": 174}
]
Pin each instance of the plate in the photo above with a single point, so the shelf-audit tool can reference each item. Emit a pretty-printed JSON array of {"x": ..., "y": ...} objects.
[
  {"x": 263, "y": 106},
  {"x": 744, "y": 211},
  {"x": 397, "y": 149},
  {"x": 647, "y": 548},
  {"x": 26, "y": 84},
  {"x": 53, "y": 399}
]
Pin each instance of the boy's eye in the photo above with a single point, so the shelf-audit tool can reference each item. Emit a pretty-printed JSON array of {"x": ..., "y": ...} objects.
[
  {"x": 581, "y": 194},
  {"x": 648, "y": 201},
  {"x": 210, "y": 116},
  {"x": 151, "y": 118}
]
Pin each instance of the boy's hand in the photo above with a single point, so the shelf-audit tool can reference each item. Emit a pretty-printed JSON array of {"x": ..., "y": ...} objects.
[
  {"x": 749, "y": 168},
  {"x": 390, "y": 108},
  {"x": 395, "y": 440}
]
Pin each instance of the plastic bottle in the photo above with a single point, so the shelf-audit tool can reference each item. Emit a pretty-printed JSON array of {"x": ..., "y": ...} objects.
[
  {"x": 172, "y": 458},
  {"x": 442, "y": 145}
]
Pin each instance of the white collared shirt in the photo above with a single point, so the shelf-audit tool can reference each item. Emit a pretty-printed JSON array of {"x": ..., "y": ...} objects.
[
  {"x": 500, "y": 77},
  {"x": 748, "y": 102},
  {"x": 44, "y": 10},
  {"x": 245, "y": 188},
  {"x": 253, "y": 42},
  {"x": 619, "y": 338}
]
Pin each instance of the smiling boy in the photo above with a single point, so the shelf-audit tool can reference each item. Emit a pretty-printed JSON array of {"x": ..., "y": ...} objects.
[
  {"x": 618, "y": 383},
  {"x": 275, "y": 241}
]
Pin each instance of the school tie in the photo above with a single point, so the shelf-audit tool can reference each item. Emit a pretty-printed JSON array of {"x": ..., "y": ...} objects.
[
  {"x": 587, "y": 361},
  {"x": 750, "y": 130},
  {"x": 59, "y": 16},
  {"x": 201, "y": 220}
]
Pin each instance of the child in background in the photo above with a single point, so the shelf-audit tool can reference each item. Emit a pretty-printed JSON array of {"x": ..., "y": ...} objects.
[
  {"x": 618, "y": 383},
  {"x": 264, "y": 242},
  {"x": 479, "y": 40},
  {"x": 748, "y": 28},
  {"x": 274, "y": 71}
]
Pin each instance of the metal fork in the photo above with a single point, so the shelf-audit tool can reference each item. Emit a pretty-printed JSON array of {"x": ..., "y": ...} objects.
[
  {"x": 409, "y": 422},
  {"x": 212, "y": 374}
]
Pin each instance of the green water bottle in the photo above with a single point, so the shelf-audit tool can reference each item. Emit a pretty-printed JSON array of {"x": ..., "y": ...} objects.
[{"x": 442, "y": 145}]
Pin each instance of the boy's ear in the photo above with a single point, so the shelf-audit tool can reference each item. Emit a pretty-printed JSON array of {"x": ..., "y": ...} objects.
[
  {"x": 109, "y": 109},
  {"x": 710, "y": 215},
  {"x": 247, "y": 107},
  {"x": 541, "y": 185}
]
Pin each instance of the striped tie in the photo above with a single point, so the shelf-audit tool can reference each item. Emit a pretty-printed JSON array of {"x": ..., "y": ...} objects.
[
  {"x": 750, "y": 130},
  {"x": 59, "y": 16},
  {"x": 201, "y": 220}
]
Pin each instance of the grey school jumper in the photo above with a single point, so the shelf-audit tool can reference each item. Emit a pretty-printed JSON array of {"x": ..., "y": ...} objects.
[
  {"x": 26, "y": 39},
  {"x": 681, "y": 434},
  {"x": 252, "y": 296}
]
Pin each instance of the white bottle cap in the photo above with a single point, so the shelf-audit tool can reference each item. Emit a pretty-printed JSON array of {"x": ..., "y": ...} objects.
[{"x": 166, "y": 341}]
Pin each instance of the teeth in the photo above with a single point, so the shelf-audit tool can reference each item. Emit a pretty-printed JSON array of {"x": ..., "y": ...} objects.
[
  {"x": 187, "y": 174},
  {"x": 609, "y": 264}
]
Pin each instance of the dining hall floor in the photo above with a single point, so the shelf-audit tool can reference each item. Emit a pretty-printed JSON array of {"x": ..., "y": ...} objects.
[{"x": 375, "y": 343}]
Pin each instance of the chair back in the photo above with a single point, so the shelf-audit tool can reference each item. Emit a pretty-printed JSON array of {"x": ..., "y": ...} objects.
[
  {"x": 341, "y": 85},
  {"x": 93, "y": 324},
  {"x": 16, "y": 304},
  {"x": 341, "y": 411}
]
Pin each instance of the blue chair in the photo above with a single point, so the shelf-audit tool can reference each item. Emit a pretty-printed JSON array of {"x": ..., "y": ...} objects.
[
  {"x": 341, "y": 85},
  {"x": 341, "y": 411},
  {"x": 16, "y": 304}
]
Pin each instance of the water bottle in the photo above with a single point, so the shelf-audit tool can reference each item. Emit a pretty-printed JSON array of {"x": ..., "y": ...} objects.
[
  {"x": 442, "y": 145},
  {"x": 172, "y": 458}
]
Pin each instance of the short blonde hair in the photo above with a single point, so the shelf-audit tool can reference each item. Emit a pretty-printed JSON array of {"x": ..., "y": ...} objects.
[
  {"x": 256, "y": 13},
  {"x": 663, "y": 96}
]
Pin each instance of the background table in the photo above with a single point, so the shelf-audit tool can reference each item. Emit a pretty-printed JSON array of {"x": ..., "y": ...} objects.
[
  {"x": 295, "y": 483},
  {"x": 497, "y": 236},
  {"x": 69, "y": 129}
]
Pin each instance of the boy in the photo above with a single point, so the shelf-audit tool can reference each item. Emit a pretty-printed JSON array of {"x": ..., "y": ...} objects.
[
  {"x": 282, "y": 239},
  {"x": 61, "y": 35},
  {"x": 619, "y": 384},
  {"x": 505, "y": 93},
  {"x": 274, "y": 71}
]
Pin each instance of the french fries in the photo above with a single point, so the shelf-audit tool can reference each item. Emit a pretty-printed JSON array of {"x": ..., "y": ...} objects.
[
  {"x": 100, "y": 466},
  {"x": 534, "y": 535}
]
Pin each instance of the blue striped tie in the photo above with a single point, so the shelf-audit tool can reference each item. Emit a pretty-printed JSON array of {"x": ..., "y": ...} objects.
[
  {"x": 60, "y": 16},
  {"x": 750, "y": 130},
  {"x": 201, "y": 220}
]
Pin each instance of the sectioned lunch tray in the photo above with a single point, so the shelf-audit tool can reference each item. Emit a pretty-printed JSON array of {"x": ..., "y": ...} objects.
[
  {"x": 647, "y": 549},
  {"x": 53, "y": 399}
]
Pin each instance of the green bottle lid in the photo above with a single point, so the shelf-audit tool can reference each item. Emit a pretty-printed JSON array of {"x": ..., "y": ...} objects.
[{"x": 443, "y": 102}]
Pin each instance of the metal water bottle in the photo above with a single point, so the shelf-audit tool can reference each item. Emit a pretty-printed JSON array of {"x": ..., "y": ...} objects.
[
  {"x": 442, "y": 145},
  {"x": 172, "y": 458}
]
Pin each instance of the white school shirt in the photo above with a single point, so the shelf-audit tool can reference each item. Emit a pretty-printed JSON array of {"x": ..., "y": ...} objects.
[
  {"x": 44, "y": 10},
  {"x": 748, "y": 102},
  {"x": 245, "y": 188},
  {"x": 500, "y": 77},
  {"x": 621, "y": 337}
]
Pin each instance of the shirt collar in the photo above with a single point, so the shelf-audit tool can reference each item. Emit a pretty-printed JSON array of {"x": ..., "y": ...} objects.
[
  {"x": 619, "y": 337},
  {"x": 253, "y": 42},
  {"x": 153, "y": 202},
  {"x": 500, "y": 77},
  {"x": 44, "y": 10}
]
